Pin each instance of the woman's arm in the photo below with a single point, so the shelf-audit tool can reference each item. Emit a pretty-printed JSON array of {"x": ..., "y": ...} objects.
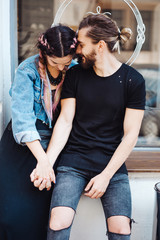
[
  {"x": 60, "y": 134},
  {"x": 22, "y": 105},
  {"x": 24, "y": 119},
  {"x": 44, "y": 169}
]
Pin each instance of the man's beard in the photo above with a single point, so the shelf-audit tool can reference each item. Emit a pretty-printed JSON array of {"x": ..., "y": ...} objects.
[{"x": 88, "y": 61}]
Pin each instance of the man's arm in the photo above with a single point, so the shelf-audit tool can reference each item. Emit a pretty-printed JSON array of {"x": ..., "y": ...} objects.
[
  {"x": 132, "y": 123},
  {"x": 59, "y": 137},
  {"x": 62, "y": 129}
]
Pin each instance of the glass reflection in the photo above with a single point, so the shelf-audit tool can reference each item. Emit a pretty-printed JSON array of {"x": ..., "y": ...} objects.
[{"x": 36, "y": 16}]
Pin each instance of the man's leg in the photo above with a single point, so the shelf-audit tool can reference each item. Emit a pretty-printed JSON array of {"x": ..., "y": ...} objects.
[
  {"x": 69, "y": 186},
  {"x": 117, "y": 208}
]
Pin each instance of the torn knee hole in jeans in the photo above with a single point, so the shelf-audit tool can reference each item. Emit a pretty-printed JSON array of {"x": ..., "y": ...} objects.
[
  {"x": 61, "y": 218},
  {"x": 121, "y": 234}
]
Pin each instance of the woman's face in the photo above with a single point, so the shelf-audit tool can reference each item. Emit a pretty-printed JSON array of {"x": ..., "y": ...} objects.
[{"x": 59, "y": 63}]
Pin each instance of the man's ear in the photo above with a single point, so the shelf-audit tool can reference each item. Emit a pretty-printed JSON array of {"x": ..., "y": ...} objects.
[{"x": 101, "y": 45}]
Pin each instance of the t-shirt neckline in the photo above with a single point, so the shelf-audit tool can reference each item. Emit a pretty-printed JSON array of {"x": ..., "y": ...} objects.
[{"x": 112, "y": 75}]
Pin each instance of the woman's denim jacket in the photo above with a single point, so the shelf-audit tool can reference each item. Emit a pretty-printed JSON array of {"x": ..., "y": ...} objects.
[{"x": 28, "y": 101}]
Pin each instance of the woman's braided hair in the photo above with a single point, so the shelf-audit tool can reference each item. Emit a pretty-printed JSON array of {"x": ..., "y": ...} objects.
[{"x": 57, "y": 41}]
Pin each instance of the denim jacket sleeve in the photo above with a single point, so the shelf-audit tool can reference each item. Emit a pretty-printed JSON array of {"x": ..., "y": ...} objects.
[{"x": 22, "y": 104}]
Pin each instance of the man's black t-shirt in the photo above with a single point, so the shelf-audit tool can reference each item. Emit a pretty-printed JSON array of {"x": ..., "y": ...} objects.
[{"x": 100, "y": 108}]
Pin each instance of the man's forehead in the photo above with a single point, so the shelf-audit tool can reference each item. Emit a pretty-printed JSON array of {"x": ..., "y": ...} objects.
[{"x": 82, "y": 35}]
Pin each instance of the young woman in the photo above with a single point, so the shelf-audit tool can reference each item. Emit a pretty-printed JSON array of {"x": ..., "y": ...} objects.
[{"x": 35, "y": 92}]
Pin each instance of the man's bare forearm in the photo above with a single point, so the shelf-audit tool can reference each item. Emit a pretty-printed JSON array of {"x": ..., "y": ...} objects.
[
  {"x": 59, "y": 138},
  {"x": 132, "y": 124},
  {"x": 120, "y": 155}
]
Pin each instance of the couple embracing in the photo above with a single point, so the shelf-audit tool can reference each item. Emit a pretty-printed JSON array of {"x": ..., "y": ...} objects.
[{"x": 72, "y": 129}]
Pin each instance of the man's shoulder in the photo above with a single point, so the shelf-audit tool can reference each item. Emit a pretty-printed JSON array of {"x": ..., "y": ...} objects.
[
  {"x": 133, "y": 73},
  {"x": 75, "y": 68}
]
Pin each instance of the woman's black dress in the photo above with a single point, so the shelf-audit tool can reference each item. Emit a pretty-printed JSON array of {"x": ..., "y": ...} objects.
[{"x": 24, "y": 210}]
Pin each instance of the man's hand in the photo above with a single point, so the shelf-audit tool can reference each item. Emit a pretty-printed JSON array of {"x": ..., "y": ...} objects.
[
  {"x": 97, "y": 186},
  {"x": 43, "y": 175}
]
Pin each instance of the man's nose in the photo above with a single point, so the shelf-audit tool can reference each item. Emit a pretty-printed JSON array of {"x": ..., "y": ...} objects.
[{"x": 78, "y": 50}]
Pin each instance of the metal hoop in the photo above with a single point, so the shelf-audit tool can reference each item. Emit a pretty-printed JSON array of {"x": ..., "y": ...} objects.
[{"x": 140, "y": 39}]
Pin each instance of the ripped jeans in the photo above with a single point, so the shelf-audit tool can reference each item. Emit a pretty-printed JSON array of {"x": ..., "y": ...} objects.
[{"x": 70, "y": 184}]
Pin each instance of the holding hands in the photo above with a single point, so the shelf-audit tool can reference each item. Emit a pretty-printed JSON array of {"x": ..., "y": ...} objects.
[{"x": 43, "y": 175}]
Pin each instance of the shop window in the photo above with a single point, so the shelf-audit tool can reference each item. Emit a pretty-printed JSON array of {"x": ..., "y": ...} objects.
[{"x": 36, "y": 16}]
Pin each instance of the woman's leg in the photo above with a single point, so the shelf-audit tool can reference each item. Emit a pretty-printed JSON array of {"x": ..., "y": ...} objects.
[
  {"x": 69, "y": 186},
  {"x": 24, "y": 209},
  {"x": 117, "y": 208}
]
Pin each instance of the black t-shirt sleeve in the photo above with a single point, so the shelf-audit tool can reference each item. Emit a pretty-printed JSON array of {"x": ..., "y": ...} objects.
[
  {"x": 68, "y": 88},
  {"x": 136, "y": 92}
]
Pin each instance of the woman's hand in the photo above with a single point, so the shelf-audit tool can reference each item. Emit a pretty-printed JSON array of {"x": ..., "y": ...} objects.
[{"x": 43, "y": 175}]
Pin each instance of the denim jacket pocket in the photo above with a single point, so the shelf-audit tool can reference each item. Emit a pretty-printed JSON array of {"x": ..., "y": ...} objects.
[{"x": 37, "y": 100}]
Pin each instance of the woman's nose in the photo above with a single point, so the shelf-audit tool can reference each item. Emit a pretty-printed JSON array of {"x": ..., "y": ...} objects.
[{"x": 61, "y": 67}]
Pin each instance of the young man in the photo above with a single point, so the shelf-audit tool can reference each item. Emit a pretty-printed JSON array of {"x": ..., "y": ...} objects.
[{"x": 102, "y": 108}]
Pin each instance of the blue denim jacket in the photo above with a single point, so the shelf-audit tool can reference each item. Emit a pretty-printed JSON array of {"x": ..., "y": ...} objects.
[{"x": 28, "y": 101}]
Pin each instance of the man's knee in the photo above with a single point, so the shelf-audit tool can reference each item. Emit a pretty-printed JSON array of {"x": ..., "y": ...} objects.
[
  {"x": 61, "y": 218},
  {"x": 119, "y": 225}
]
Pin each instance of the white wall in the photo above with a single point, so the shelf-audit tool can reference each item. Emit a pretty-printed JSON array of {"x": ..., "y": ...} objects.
[
  {"x": 89, "y": 222},
  {"x": 8, "y": 57}
]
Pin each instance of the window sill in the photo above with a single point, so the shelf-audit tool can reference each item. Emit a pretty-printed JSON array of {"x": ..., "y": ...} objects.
[{"x": 144, "y": 160}]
